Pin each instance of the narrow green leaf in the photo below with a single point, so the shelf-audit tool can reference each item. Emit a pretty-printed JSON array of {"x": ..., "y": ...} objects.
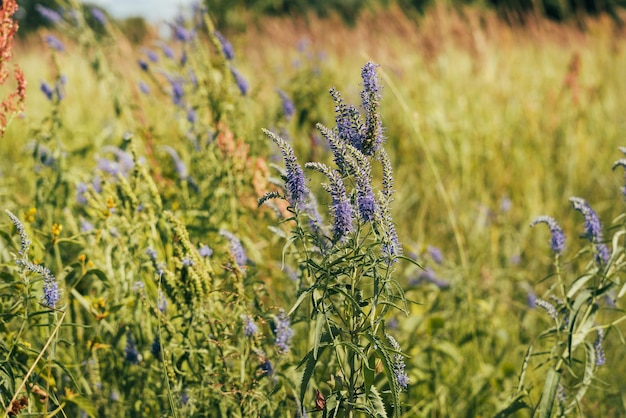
[
  {"x": 549, "y": 393},
  {"x": 311, "y": 361},
  {"x": 384, "y": 354}
]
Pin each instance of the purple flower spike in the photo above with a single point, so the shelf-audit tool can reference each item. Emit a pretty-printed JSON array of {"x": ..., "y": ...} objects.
[
  {"x": 558, "y": 238},
  {"x": 295, "y": 182},
  {"x": 50, "y": 15},
  {"x": 288, "y": 107},
  {"x": 283, "y": 333},
  {"x": 99, "y": 15},
  {"x": 242, "y": 83},
  {"x": 227, "y": 47},
  {"x": 54, "y": 43},
  {"x": 593, "y": 228}
]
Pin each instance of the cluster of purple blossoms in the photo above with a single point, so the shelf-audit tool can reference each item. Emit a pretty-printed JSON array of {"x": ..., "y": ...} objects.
[
  {"x": 370, "y": 95},
  {"x": 241, "y": 82},
  {"x": 99, "y": 15},
  {"x": 249, "y": 327},
  {"x": 179, "y": 164},
  {"x": 50, "y": 15},
  {"x": 51, "y": 293},
  {"x": 597, "y": 346},
  {"x": 548, "y": 307},
  {"x": 236, "y": 249},
  {"x": 227, "y": 47},
  {"x": 593, "y": 228},
  {"x": 398, "y": 364},
  {"x": 289, "y": 108},
  {"x": 205, "y": 251},
  {"x": 283, "y": 332},
  {"x": 54, "y": 43},
  {"x": 295, "y": 182},
  {"x": 57, "y": 92},
  {"x": 557, "y": 241}
]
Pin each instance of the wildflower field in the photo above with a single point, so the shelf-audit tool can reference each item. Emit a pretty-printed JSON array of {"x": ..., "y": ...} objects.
[{"x": 405, "y": 217}]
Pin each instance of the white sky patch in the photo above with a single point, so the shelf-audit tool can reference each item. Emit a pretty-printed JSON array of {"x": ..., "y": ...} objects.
[{"x": 151, "y": 10}]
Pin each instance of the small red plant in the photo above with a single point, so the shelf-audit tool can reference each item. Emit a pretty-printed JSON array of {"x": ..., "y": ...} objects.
[{"x": 14, "y": 101}]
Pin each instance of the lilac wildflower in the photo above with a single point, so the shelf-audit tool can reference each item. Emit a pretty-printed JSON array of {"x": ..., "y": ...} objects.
[
  {"x": 400, "y": 375},
  {"x": 47, "y": 90},
  {"x": 548, "y": 307},
  {"x": 367, "y": 204},
  {"x": 139, "y": 286},
  {"x": 192, "y": 117},
  {"x": 99, "y": 15},
  {"x": 50, "y": 15},
  {"x": 54, "y": 43},
  {"x": 295, "y": 181},
  {"x": 187, "y": 262},
  {"x": 558, "y": 238},
  {"x": 288, "y": 107},
  {"x": 152, "y": 56},
  {"x": 242, "y": 83},
  {"x": 167, "y": 51},
  {"x": 249, "y": 327},
  {"x": 131, "y": 354},
  {"x": 85, "y": 226},
  {"x": 182, "y": 34},
  {"x": 236, "y": 249},
  {"x": 347, "y": 118},
  {"x": 340, "y": 206},
  {"x": 143, "y": 87},
  {"x": 597, "y": 346},
  {"x": 177, "y": 92},
  {"x": 181, "y": 168},
  {"x": 593, "y": 228},
  {"x": 25, "y": 241},
  {"x": 435, "y": 254},
  {"x": 227, "y": 47},
  {"x": 370, "y": 96},
  {"x": 283, "y": 332},
  {"x": 205, "y": 251}
]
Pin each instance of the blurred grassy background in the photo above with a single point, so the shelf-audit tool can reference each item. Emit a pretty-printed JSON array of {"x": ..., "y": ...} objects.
[{"x": 488, "y": 126}]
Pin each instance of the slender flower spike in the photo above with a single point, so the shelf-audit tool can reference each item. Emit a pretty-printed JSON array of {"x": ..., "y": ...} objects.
[
  {"x": 557, "y": 241},
  {"x": 25, "y": 241},
  {"x": 370, "y": 96},
  {"x": 621, "y": 163},
  {"x": 283, "y": 332},
  {"x": 236, "y": 249},
  {"x": 295, "y": 182},
  {"x": 597, "y": 346},
  {"x": 242, "y": 83},
  {"x": 50, "y": 15},
  {"x": 227, "y": 47},
  {"x": 181, "y": 168},
  {"x": 593, "y": 228},
  {"x": 99, "y": 15},
  {"x": 47, "y": 90},
  {"x": 398, "y": 367},
  {"x": 205, "y": 251},
  {"x": 54, "y": 43},
  {"x": 288, "y": 107},
  {"x": 548, "y": 307},
  {"x": 249, "y": 327}
]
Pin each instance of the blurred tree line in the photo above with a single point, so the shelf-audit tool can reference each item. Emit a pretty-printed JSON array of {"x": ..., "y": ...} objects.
[{"x": 232, "y": 13}]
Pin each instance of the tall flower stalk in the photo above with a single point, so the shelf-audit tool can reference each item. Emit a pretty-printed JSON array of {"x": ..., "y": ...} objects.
[{"x": 348, "y": 268}]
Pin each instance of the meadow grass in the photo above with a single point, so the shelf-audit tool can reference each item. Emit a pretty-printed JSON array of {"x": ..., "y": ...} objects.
[{"x": 487, "y": 128}]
